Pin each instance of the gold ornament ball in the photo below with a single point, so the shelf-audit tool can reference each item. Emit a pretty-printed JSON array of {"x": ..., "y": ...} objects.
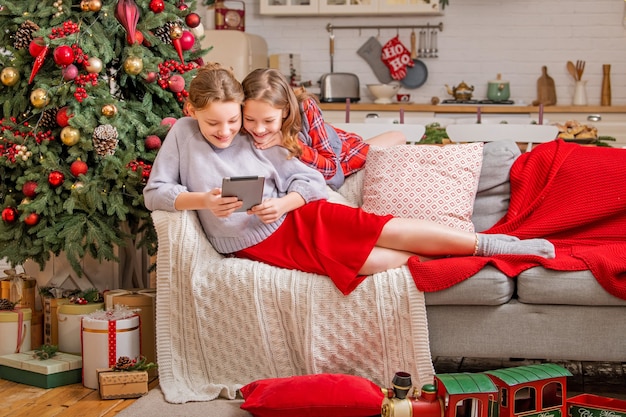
[
  {"x": 39, "y": 98},
  {"x": 109, "y": 110},
  {"x": 176, "y": 32},
  {"x": 95, "y": 5},
  {"x": 94, "y": 65},
  {"x": 133, "y": 65},
  {"x": 10, "y": 76},
  {"x": 70, "y": 135},
  {"x": 84, "y": 5}
]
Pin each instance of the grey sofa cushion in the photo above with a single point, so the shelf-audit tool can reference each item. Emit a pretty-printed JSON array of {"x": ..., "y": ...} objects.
[
  {"x": 494, "y": 191},
  {"x": 488, "y": 287},
  {"x": 543, "y": 286}
]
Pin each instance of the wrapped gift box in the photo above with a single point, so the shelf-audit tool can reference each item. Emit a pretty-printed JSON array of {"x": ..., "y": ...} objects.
[
  {"x": 51, "y": 319},
  {"x": 127, "y": 384},
  {"x": 25, "y": 368},
  {"x": 142, "y": 302},
  {"x": 107, "y": 335},
  {"x": 69, "y": 317},
  {"x": 15, "y": 330}
]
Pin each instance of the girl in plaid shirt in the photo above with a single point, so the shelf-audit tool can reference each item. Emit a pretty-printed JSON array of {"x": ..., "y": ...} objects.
[{"x": 332, "y": 151}]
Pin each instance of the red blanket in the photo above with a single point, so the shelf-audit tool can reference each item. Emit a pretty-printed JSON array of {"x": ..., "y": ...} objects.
[{"x": 572, "y": 195}]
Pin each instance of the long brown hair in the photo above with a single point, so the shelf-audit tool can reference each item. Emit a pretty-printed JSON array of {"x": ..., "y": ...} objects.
[
  {"x": 214, "y": 83},
  {"x": 270, "y": 86}
]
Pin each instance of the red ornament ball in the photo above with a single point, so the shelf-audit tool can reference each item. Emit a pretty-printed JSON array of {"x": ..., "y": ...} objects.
[
  {"x": 138, "y": 38},
  {"x": 9, "y": 215},
  {"x": 36, "y": 46},
  {"x": 176, "y": 83},
  {"x": 70, "y": 72},
  {"x": 182, "y": 6},
  {"x": 151, "y": 77},
  {"x": 78, "y": 167},
  {"x": 152, "y": 142},
  {"x": 29, "y": 189},
  {"x": 56, "y": 178},
  {"x": 62, "y": 117},
  {"x": 63, "y": 55},
  {"x": 192, "y": 20},
  {"x": 168, "y": 121},
  {"x": 157, "y": 6},
  {"x": 187, "y": 40},
  {"x": 32, "y": 219}
]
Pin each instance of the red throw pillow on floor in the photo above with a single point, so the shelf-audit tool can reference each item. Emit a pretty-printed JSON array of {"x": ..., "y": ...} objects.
[{"x": 321, "y": 395}]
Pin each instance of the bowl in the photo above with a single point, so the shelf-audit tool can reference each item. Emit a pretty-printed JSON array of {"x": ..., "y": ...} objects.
[{"x": 383, "y": 93}]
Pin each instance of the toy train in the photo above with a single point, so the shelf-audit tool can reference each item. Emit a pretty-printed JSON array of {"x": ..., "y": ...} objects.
[{"x": 524, "y": 391}]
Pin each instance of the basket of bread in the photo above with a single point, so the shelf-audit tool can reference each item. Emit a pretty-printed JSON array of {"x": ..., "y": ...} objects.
[{"x": 573, "y": 131}]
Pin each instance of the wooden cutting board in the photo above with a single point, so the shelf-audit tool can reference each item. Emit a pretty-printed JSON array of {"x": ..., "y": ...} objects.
[{"x": 546, "y": 91}]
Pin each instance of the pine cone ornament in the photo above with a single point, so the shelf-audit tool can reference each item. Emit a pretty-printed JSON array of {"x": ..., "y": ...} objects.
[
  {"x": 123, "y": 363},
  {"x": 163, "y": 32},
  {"x": 6, "y": 304},
  {"x": 105, "y": 140},
  {"x": 24, "y": 34},
  {"x": 48, "y": 119}
]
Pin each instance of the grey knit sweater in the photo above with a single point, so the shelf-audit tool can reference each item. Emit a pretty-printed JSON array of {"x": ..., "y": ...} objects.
[{"x": 187, "y": 162}]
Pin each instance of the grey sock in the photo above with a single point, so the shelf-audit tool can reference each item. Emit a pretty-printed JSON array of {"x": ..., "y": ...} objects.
[{"x": 489, "y": 245}]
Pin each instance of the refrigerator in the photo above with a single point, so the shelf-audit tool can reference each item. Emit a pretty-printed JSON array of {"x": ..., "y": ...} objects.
[{"x": 242, "y": 51}]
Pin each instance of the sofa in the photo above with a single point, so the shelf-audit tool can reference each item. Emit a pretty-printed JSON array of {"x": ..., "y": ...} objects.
[{"x": 223, "y": 322}]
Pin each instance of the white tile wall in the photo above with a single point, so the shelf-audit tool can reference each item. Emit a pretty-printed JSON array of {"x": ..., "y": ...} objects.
[{"x": 480, "y": 38}]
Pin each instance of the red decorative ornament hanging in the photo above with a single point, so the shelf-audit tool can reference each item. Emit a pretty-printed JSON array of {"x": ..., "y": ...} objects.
[
  {"x": 78, "y": 167},
  {"x": 38, "y": 63},
  {"x": 32, "y": 219},
  {"x": 63, "y": 55},
  {"x": 192, "y": 20},
  {"x": 157, "y": 6},
  {"x": 56, "y": 178},
  {"x": 29, "y": 189},
  {"x": 182, "y": 6},
  {"x": 176, "y": 32},
  {"x": 127, "y": 13},
  {"x": 9, "y": 215}
]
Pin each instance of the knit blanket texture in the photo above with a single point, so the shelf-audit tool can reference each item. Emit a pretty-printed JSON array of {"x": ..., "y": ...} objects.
[
  {"x": 222, "y": 322},
  {"x": 572, "y": 195}
]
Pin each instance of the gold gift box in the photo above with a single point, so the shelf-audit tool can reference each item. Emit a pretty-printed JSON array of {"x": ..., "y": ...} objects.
[{"x": 125, "y": 384}]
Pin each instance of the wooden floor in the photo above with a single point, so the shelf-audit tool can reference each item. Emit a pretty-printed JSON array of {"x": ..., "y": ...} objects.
[{"x": 601, "y": 378}]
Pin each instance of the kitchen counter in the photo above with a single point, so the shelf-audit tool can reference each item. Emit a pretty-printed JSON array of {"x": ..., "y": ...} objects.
[{"x": 471, "y": 108}]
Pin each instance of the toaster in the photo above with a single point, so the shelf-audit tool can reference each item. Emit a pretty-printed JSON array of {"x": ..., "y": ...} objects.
[{"x": 336, "y": 87}]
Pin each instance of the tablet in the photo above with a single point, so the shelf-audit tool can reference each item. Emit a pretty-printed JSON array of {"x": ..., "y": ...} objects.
[{"x": 247, "y": 189}]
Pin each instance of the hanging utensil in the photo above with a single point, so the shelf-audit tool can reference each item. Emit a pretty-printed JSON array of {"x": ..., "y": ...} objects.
[
  {"x": 422, "y": 43},
  {"x": 433, "y": 44},
  {"x": 332, "y": 50},
  {"x": 413, "y": 47}
]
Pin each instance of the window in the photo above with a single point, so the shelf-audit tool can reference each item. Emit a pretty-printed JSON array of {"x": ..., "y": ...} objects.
[
  {"x": 552, "y": 395},
  {"x": 469, "y": 407},
  {"x": 525, "y": 400}
]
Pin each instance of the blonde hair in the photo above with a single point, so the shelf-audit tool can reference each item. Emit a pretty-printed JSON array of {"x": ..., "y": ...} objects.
[
  {"x": 270, "y": 86},
  {"x": 214, "y": 83}
]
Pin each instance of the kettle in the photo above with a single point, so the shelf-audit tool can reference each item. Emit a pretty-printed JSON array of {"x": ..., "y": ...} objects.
[
  {"x": 461, "y": 91},
  {"x": 498, "y": 90}
]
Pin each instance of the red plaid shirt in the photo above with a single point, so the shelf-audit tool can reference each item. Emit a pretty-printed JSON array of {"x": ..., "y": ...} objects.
[{"x": 320, "y": 154}]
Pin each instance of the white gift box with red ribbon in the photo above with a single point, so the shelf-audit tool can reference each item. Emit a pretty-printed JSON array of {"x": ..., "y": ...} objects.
[
  {"x": 15, "y": 330},
  {"x": 107, "y": 335}
]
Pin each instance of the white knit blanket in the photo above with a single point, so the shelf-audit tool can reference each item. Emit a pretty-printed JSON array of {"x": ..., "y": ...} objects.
[{"x": 225, "y": 322}]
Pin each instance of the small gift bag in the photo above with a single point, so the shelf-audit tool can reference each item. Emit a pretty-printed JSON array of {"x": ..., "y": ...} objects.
[
  {"x": 15, "y": 329},
  {"x": 18, "y": 288},
  {"x": 107, "y": 335}
]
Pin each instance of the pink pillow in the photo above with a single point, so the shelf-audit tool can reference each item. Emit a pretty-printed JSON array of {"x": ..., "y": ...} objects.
[
  {"x": 429, "y": 182},
  {"x": 320, "y": 395}
]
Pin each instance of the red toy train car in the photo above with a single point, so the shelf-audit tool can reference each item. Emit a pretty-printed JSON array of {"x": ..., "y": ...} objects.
[{"x": 525, "y": 391}]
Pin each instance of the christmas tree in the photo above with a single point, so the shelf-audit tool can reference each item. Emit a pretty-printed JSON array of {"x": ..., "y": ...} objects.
[{"x": 90, "y": 89}]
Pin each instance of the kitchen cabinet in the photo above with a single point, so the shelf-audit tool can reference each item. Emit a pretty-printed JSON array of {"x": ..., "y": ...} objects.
[{"x": 348, "y": 7}]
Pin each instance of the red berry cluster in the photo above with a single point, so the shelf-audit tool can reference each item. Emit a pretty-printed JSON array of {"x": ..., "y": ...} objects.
[
  {"x": 80, "y": 94},
  {"x": 7, "y": 149},
  {"x": 82, "y": 79},
  {"x": 66, "y": 29},
  {"x": 80, "y": 56},
  {"x": 142, "y": 166},
  {"x": 165, "y": 72},
  {"x": 78, "y": 300}
]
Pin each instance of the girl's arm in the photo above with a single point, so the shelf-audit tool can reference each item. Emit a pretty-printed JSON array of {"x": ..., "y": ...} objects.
[
  {"x": 272, "y": 209},
  {"x": 318, "y": 153}
]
